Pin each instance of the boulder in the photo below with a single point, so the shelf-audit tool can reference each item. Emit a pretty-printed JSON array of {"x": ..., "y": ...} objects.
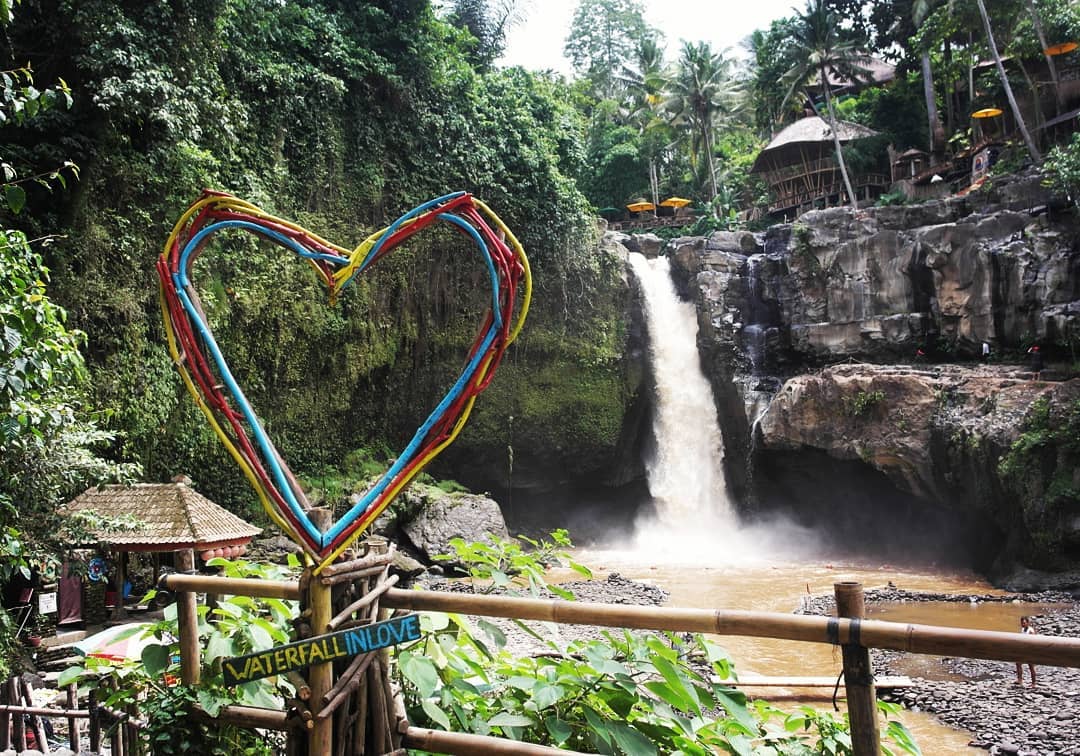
[
  {"x": 941, "y": 434},
  {"x": 645, "y": 244},
  {"x": 443, "y": 516}
]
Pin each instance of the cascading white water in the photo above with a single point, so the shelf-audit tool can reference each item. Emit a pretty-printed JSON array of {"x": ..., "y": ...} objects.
[{"x": 685, "y": 473}]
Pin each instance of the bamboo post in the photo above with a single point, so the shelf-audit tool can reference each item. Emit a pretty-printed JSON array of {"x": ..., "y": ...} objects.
[
  {"x": 858, "y": 673},
  {"x": 187, "y": 617},
  {"x": 18, "y": 724},
  {"x": 360, "y": 723},
  {"x": 74, "y": 725},
  {"x": 253, "y": 717},
  {"x": 320, "y": 676},
  {"x": 119, "y": 611},
  {"x": 35, "y": 721},
  {"x": 462, "y": 744},
  {"x": 377, "y": 705},
  {"x": 95, "y": 722},
  {"x": 131, "y": 730},
  {"x": 303, "y": 690},
  {"x": 5, "y": 720},
  {"x": 1055, "y": 651}
]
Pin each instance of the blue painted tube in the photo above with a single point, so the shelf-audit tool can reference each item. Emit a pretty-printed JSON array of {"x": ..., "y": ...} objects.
[
  {"x": 281, "y": 239},
  {"x": 394, "y": 227},
  {"x": 407, "y": 454},
  {"x": 495, "y": 309},
  {"x": 245, "y": 408}
]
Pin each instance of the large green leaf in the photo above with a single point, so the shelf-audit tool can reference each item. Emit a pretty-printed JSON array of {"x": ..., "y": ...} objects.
[
  {"x": 505, "y": 719},
  {"x": 630, "y": 741},
  {"x": 15, "y": 198},
  {"x": 69, "y": 675},
  {"x": 547, "y": 695},
  {"x": 559, "y": 730},
  {"x": 155, "y": 658},
  {"x": 437, "y": 715},
  {"x": 420, "y": 671}
]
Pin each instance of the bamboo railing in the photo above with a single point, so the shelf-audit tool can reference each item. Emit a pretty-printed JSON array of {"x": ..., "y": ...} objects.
[{"x": 853, "y": 633}]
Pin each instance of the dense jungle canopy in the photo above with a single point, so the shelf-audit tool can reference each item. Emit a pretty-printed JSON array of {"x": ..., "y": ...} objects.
[{"x": 343, "y": 115}]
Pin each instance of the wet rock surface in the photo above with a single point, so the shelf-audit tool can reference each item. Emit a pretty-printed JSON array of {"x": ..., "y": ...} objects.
[
  {"x": 939, "y": 435},
  {"x": 1003, "y": 717}
]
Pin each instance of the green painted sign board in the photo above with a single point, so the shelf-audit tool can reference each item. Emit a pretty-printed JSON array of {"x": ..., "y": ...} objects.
[{"x": 321, "y": 649}]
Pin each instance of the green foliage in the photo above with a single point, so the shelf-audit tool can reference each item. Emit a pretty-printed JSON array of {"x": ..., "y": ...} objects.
[
  {"x": 1062, "y": 168},
  {"x": 604, "y": 35},
  {"x": 236, "y": 626},
  {"x": 496, "y": 563},
  {"x": 892, "y": 199},
  {"x": 171, "y": 98},
  {"x": 46, "y": 437},
  {"x": 622, "y": 693},
  {"x": 487, "y": 23},
  {"x": 863, "y": 403},
  {"x": 1039, "y": 469},
  {"x": 703, "y": 94},
  {"x": 20, "y": 102}
]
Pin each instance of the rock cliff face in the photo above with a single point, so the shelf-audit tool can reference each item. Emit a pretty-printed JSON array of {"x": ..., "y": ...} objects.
[{"x": 929, "y": 440}]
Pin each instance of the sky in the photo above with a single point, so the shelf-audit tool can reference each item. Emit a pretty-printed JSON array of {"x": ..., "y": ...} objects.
[{"x": 537, "y": 43}]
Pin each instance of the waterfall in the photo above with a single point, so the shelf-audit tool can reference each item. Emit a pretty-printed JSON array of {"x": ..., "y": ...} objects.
[{"x": 685, "y": 472}]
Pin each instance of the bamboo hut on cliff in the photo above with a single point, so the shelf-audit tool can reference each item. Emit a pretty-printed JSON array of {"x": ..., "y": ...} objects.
[{"x": 800, "y": 167}]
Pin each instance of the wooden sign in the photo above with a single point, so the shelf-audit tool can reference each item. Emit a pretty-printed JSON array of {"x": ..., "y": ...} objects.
[{"x": 321, "y": 649}]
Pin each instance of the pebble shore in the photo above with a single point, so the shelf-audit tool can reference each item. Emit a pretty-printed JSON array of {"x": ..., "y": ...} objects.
[{"x": 1002, "y": 717}]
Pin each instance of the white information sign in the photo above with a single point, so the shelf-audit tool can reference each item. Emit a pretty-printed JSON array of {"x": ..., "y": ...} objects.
[{"x": 47, "y": 603}]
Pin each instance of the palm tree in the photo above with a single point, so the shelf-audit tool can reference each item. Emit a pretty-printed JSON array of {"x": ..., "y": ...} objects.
[
  {"x": 920, "y": 9},
  {"x": 702, "y": 91},
  {"x": 1017, "y": 115},
  {"x": 1036, "y": 21},
  {"x": 645, "y": 85},
  {"x": 817, "y": 50}
]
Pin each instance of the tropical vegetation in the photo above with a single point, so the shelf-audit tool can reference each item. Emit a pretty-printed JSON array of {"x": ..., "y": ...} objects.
[{"x": 113, "y": 116}]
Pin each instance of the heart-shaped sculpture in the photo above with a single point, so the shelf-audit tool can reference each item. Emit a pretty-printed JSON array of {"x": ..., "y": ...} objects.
[{"x": 207, "y": 376}]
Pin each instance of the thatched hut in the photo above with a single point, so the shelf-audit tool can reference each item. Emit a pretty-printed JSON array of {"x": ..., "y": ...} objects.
[
  {"x": 167, "y": 518},
  {"x": 800, "y": 167}
]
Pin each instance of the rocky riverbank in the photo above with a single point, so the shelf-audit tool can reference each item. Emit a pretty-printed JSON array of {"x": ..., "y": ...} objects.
[{"x": 982, "y": 697}]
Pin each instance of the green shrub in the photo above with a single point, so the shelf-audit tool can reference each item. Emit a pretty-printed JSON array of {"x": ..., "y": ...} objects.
[
  {"x": 621, "y": 693},
  {"x": 1062, "y": 169},
  {"x": 863, "y": 403}
]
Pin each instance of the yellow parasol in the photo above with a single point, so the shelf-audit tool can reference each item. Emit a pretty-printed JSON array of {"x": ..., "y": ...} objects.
[
  {"x": 675, "y": 202},
  {"x": 1061, "y": 49},
  {"x": 986, "y": 113},
  {"x": 637, "y": 207}
]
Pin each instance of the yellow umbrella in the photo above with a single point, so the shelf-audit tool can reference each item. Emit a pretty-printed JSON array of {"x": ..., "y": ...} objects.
[
  {"x": 675, "y": 202},
  {"x": 1061, "y": 49},
  {"x": 986, "y": 113},
  {"x": 637, "y": 207}
]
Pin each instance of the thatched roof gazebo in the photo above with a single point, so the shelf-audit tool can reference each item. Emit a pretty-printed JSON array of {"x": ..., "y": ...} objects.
[
  {"x": 799, "y": 165},
  {"x": 168, "y": 517}
]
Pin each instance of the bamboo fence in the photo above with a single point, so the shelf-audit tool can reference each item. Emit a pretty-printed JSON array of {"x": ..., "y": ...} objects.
[{"x": 357, "y": 712}]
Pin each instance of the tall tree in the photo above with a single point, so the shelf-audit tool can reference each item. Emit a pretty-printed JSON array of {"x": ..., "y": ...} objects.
[
  {"x": 1017, "y": 115},
  {"x": 604, "y": 36},
  {"x": 818, "y": 49},
  {"x": 920, "y": 9},
  {"x": 488, "y": 22},
  {"x": 769, "y": 62},
  {"x": 1036, "y": 20},
  {"x": 645, "y": 85},
  {"x": 702, "y": 91}
]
